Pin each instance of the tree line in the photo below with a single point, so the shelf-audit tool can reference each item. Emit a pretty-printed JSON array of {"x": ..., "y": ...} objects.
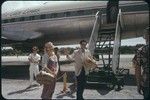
[{"x": 123, "y": 50}]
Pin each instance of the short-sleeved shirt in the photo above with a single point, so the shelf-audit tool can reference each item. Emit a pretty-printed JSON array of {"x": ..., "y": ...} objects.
[
  {"x": 35, "y": 58},
  {"x": 78, "y": 56},
  {"x": 142, "y": 59}
]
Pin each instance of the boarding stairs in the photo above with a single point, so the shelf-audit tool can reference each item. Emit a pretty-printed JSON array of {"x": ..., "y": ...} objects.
[{"x": 104, "y": 45}]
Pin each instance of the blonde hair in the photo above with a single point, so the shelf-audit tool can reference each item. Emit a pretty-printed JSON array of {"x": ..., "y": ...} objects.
[{"x": 49, "y": 44}]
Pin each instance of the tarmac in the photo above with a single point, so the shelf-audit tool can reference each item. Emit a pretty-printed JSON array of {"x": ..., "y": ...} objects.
[
  {"x": 19, "y": 89},
  {"x": 15, "y": 84}
]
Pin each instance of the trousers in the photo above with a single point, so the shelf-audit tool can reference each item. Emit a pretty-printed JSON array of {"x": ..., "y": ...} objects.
[
  {"x": 33, "y": 71},
  {"x": 81, "y": 81}
]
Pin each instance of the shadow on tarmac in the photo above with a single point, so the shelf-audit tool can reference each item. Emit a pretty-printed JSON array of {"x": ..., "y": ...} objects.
[
  {"x": 68, "y": 94},
  {"x": 22, "y": 72},
  {"x": 101, "y": 88},
  {"x": 29, "y": 88}
]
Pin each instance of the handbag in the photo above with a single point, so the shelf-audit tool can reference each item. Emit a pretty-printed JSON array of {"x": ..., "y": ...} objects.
[
  {"x": 90, "y": 63},
  {"x": 45, "y": 76}
]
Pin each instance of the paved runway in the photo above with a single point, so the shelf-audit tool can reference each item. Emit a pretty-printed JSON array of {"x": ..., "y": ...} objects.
[
  {"x": 15, "y": 80},
  {"x": 17, "y": 89}
]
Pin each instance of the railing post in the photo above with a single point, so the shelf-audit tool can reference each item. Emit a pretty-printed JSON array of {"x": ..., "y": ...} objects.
[
  {"x": 94, "y": 34},
  {"x": 117, "y": 44}
]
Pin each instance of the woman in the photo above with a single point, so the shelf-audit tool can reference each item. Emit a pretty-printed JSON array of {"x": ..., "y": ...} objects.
[{"x": 49, "y": 60}]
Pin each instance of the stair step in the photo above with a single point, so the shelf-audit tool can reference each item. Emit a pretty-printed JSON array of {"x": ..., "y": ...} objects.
[
  {"x": 102, "y": 50},
  {"x": 107, "y": 29},
  {"x": 103, "y": 44},
  {"x": 106, "y": 32},
  {"x": 107, "y": 48},
  {"x": 105, "y": 59},
  {"x": 112, "y": 25},
  {"x": 102, "y": 53}
]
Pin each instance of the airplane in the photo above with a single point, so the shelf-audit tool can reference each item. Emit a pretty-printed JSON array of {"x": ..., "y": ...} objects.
[{"x": 67, "y": 23}]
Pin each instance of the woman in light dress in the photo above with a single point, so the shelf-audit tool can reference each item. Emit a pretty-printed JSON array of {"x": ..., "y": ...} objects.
[{"x": 49, "y": 60}]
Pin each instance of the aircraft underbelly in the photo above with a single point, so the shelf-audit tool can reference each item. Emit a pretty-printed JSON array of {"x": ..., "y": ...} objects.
[
  {"x": 62, "y": 29},
  {"x": 70, "y": 30}
]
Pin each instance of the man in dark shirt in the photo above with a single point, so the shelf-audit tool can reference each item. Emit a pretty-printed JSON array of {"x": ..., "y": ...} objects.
[{"x": 141, "y": 64}]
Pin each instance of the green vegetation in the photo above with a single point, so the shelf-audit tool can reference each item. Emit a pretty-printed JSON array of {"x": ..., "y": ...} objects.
[
  {"x": 123, "y": 50},
  {"x": 129, "y": 49}
]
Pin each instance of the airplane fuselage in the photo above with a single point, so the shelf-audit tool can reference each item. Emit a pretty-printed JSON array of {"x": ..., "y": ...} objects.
[{"x": 69, "y": 26}]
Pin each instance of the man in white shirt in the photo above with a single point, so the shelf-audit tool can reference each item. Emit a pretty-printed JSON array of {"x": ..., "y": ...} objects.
[
  {"x": 34, "y": 59},
  {"x": 80, "y": 69}
]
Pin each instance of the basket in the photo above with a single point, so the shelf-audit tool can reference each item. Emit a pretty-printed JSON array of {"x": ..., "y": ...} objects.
[
  {"x": 90, "y": 63},
  {"x": 44, "y": 77}
]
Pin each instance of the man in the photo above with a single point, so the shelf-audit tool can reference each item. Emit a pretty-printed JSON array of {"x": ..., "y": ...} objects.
[
  {"x": 80, "y": 69},
  {"x": 58, "y": 56},
  {"x": 141, "y": 63},
  {"x": 112, "y": 11},
  {"x": 34, "y": 59}
]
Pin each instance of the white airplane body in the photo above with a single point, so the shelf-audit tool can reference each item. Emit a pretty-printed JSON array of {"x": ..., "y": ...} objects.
[{"x": 69, "y": 23}]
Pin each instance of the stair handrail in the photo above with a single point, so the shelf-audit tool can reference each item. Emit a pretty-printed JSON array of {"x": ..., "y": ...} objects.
[
  {"x": 94, "y": 34},
  {"x": 117, "y": 43}
]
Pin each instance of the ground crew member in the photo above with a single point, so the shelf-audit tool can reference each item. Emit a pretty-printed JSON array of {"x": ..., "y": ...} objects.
[
  {"x": 34, "y": 59},
  {"x": 58, "y": 56},
  {"x": 141, "y": 64},
  {"x": 112, "y": 11}
]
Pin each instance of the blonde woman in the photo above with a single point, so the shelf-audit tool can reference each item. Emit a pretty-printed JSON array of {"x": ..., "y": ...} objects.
[{"x": 49, "y": 60}]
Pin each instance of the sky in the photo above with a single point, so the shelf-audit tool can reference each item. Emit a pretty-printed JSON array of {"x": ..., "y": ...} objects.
[{"x": 8, "y": 6}]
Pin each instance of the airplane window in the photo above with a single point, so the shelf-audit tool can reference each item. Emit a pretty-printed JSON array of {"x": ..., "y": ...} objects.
[
  {"x": 37, "y": 17},
  {"x": 73, "y": 13},
  {"x": 43, "y": 16},
  {"x": 48, "y": 15},
  {"x": 60, "y": 15},
  {"x": 80, "y": 12},
  {"x": 31, "y": 17},
  {"x": 22, "y": 19},
  {"x": 68, "y": 14},
  {"x": 26, "y": 18},
  {"x": 88, "y": 12},
  {"x": 5, "y": 21},
  {"x": 54, "y": 15},
  {"x": 17, "y": 19},
  {"x": 12, "y": 20}
]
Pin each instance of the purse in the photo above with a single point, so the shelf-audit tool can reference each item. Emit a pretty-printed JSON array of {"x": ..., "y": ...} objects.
[{"x": 45, "y": 76}]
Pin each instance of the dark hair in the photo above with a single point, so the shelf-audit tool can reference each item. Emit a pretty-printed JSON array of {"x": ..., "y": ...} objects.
[
  {"x": 35, "y": 48},
  {"x": 82, "y": 41},
  {"x": 56, "y": 48}
]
